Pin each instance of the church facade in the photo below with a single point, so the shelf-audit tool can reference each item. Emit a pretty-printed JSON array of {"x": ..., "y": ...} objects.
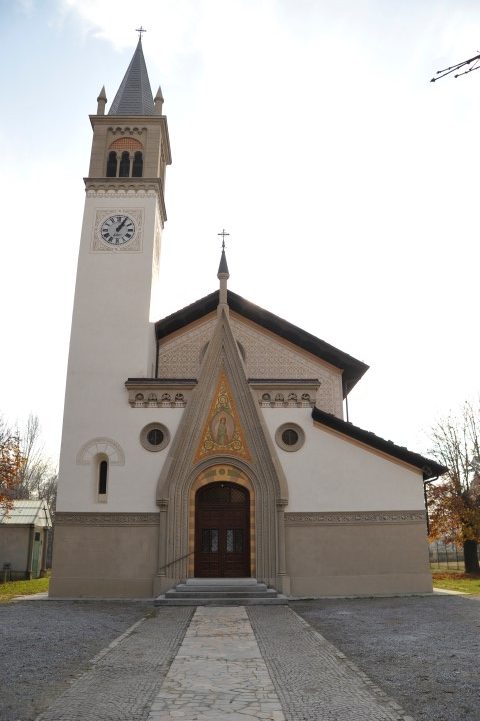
[{"x": 211, "y": 443}]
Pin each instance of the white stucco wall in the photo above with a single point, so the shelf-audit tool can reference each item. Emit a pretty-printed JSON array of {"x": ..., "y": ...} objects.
[
  {"x": 131, "y": 487},
  {"x": 331, "y": 473},
  {"x": 112, "y": 339}
]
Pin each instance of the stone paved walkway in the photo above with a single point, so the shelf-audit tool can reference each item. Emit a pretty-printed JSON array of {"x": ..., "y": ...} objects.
[
  {"x": 224, "y": 664},
  {"x": 218, "y": 673},
  {"x": 125, "y": 677}
]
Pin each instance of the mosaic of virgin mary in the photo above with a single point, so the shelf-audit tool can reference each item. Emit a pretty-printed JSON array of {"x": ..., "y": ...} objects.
[{"x": 222, "y": 428}]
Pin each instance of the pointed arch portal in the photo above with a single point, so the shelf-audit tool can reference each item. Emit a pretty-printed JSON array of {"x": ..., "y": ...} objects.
[{"x": 241, "y": 454}]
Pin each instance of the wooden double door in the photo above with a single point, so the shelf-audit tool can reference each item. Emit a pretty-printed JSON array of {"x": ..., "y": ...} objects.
[{"x": 222, "y": 531}]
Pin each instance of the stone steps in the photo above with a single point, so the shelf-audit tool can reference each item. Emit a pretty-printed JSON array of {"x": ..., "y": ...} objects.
[{"x": 220, "y": 592}]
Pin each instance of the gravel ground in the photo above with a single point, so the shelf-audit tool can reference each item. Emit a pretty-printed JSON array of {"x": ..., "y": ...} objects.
[
  {"x": 422, "y": 651},
  {"x": 44, "y": 645}
]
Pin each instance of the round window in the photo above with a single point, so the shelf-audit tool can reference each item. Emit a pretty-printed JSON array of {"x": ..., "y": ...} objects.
[
  {"x": 290, "y": 437},
  {"x": 154, "y": 437}
]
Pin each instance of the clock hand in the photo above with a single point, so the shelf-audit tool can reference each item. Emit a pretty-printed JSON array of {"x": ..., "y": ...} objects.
[{"x": 119, "y": 227}]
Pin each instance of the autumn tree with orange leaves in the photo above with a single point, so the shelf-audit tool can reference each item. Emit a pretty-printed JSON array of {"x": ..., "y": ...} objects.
[
  {"x": 10, "y": 464},
  {"x": 454, "y": 501}
]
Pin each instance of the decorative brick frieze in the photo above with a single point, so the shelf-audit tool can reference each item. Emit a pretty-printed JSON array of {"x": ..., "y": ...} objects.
[
  {"x": 158, "y": 393},
  {"x": 286, "y": 393},
  {"x": 264, "y": 358},
  {"x": 64, "y": 518},
  {"x": 268, "y": 358},
  {"x": 353, "y": 517},
  {"x": 104, "y": 188},
  {"x": 180, "y": 356}
]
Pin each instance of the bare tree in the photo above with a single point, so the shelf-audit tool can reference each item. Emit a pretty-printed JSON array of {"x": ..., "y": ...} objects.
[
  {"x": 470, "y": 64},
  {"x": 454, "y": 503},
  {"x": 35, "y": 467},
  {"x": 48, "y": 493}
]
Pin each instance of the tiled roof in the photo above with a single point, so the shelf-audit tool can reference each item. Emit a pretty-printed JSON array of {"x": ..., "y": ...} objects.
[
  {"x": 352, "y": 368},
  {"x": 134, "y": 96}
]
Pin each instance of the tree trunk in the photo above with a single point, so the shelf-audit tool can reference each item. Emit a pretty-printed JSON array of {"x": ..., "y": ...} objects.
[{"x": 471, "y": 557}]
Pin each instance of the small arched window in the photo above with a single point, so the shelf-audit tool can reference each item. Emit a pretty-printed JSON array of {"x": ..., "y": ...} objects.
[
  {"x": 112, "y": 164},
  {"x": 102, "y": 478},
  {"x": 137, "y": 168},
  {"x": 125, "y": 165}
]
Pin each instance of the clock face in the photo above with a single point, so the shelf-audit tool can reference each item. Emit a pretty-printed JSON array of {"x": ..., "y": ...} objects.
[{"x": 117, "y": 229}]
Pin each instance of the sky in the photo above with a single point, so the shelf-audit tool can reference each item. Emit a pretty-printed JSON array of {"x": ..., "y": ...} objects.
[{"x": 309, "y": 130}]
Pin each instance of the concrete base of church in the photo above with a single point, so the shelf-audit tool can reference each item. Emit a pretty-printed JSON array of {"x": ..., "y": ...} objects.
[
  {"x": 116, "y": 556},
  {"x": 357, "y": 559},
  {"x": 104, "y": 561}
]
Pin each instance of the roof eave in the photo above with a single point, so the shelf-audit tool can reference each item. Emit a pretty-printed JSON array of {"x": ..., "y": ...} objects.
[
  {"x": 352, "y": 369},
  {"x": 430, "y": 469}
]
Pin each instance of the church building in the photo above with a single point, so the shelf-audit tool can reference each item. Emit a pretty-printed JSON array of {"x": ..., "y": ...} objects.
[{"x": 212, "y": 443}]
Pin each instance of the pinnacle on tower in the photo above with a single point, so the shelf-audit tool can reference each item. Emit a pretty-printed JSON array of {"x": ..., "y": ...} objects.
[
  {"x": 101, "y": 101},
  {"x": 158, "y": 101},
  {"x": 134, "y": 96}
]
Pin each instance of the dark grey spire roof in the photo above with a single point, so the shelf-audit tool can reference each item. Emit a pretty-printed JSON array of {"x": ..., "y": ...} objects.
[
  {"x": 223, "y": 267},
  {"x": 134, "y": 96}
]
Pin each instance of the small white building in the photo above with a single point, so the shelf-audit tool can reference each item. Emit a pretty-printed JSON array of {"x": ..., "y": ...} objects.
[
  {"x": 213, "y": 442},
  {"x": 24, "y": 539}
]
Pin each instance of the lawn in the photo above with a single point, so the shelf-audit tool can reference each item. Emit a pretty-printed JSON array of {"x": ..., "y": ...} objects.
[
  {"x": 455, "y": 581},
  {"x": 22, "y": 588}
]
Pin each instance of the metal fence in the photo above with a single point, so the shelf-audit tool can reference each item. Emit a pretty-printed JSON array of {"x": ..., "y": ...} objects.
[{"x": 447, "y": 556}]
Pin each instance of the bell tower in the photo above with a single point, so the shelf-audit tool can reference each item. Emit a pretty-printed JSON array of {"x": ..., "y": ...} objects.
[{"x": 112, "y": 337}]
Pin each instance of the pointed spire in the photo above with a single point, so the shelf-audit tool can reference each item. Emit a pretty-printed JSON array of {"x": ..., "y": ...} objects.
[
  {"x": 134, "y": 96},
  {"x": 223, "y": 267},
  {"x": 223, "y": 275},
  {"x": 158, "y": 101},
  {"x": 101, "y": 101}
]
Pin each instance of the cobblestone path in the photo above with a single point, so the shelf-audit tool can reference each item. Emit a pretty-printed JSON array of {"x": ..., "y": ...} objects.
[
  {"x": 123, "y": 680},
  {"x": 223, "y": 664},
  {"x": 218, "y": 673},
  {"x": 313, "y": 679}
]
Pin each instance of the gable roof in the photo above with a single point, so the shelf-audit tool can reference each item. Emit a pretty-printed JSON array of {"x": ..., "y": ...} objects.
[
  {"x": 429, "y": 468},
  {"x": 352, "y": 368}
]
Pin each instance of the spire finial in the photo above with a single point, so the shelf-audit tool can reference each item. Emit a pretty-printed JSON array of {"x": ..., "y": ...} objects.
[
  {"x": 140, "y": 30},
  {"x": 223, "y": 275}
]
